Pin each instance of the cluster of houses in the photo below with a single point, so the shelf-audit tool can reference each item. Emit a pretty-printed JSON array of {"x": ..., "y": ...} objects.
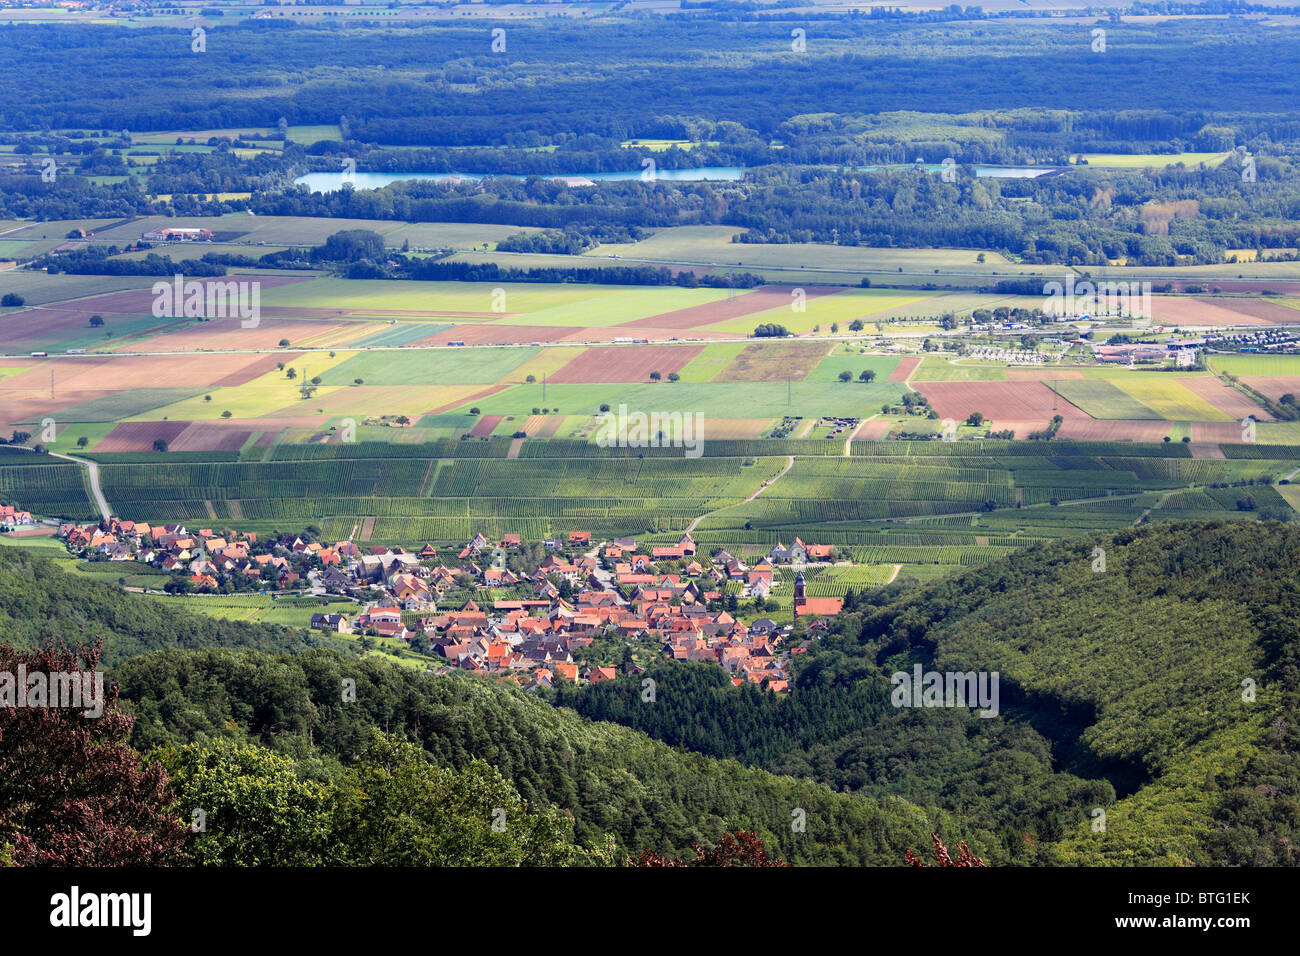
[
  {"x": 11, "y": 517},
  {"x": 206, "y": 558},
  {"x": 551, "y": 609}
]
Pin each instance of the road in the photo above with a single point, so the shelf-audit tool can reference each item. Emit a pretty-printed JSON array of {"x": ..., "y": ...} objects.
[
  {"x": 92, "y": 470},
  {"x": 761, "y": 488}
]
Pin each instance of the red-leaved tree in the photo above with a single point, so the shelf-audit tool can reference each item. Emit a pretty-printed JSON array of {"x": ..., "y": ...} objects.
[
  {"x": 72, "y": 791},
  {"x": 743, "y": 848},
  {"x": 942, "y": 858}
]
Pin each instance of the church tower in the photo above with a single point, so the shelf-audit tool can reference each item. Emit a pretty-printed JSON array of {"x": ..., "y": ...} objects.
[{"x": 798, "y": 589}]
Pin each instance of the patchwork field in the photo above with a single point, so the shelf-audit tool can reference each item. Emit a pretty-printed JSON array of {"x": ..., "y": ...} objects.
[
  {"x": 1170, "y": 399},
  {"x": 770, "y": 362},
  {"x": 1102, "y": 399}
]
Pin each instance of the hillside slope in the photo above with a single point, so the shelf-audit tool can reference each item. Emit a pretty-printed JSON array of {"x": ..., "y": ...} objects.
[{"x": 1157, "y": 695}]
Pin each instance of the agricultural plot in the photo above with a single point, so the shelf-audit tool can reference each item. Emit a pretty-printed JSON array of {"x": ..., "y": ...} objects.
[
  {"x": 1089, "y": 430},
  {"x": 40, "y": 288},
  {"x": 1149, "y": 160},
  {"x": 999, "y": 402},
  {"x": 820, "y": 309},
  {"x": 729, "y": 307},
  {"x": 121, "y": 404},
  {"x": 468, "y": 366},
  {"x": 904, "y": 369},
  {"x": 774, "y": 362},
  {"x": 936, "y": 368},
  {"x": 307, "y": 135},
  {"x": 1221, "y": 311},
  {"x": 1101, "y": 399},
  {"x": 1258, "y": 366},
  {"x": 1170, "y": 399},
  {"x": 711, "y": 361},
  {"x": 850, "y": 359},
  {"x": 1223, "y": 397},
  {"x": 658, "y": 307},
  {"x": 622, "y": 363},
  {"x": 712, "y": 245},
  {"x": 403, "y": 333}
]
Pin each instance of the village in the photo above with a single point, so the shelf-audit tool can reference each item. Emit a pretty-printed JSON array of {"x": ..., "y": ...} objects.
[{"x": 508, "y": 609}]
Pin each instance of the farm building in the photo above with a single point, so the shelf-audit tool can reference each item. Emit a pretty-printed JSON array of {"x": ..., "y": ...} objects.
[{"x": 173, "y": 234}]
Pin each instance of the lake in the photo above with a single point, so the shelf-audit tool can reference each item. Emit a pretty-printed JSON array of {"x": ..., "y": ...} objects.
[{"x": 332, "y": 182}]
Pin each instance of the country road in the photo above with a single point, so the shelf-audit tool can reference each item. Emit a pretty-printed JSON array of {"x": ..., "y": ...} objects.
[
  {"x": 92, "y": 469},
  {"x": 761, "y": 488}
]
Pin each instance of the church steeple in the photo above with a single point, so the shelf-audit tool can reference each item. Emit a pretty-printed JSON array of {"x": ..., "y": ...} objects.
[{"x": 799, "y": 587}]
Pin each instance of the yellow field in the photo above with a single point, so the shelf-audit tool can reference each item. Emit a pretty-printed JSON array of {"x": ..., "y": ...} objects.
[
  {"x": 1170, "y": 399},
  {"x": 547, "y": 362}
]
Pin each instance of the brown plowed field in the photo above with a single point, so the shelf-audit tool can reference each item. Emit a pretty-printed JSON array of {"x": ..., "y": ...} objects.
[
  {"x": 625, "y": 363},
  {"x": 107, "y": 373},
  {"x": 203, "y": 436},
  {"x": 1217, "y": 432},
  {"x": 1206, "y": 311},
  {"x": 1224, "y": 397},
  {"x": 906, "y": 366},
  {"x": 1091, "y": 430},
  {"x": 1274, "y": 386},
  {"x": 1263, "y": 309},
  {"x": 140, "y": 436},
  {"x": 873, "y": 430},
  {"x": 998, "y": 401},
  {"x": 486, "y": 425}
]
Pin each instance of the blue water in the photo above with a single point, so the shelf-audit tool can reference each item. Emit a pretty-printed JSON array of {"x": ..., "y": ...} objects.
[{"x": 332, "y": 182}]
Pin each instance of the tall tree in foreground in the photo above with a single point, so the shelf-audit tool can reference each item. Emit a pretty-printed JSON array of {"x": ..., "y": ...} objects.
[{"x": 72, "y": 792}]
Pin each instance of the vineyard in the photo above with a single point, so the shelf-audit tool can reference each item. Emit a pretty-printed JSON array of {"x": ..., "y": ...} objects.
[{"x": 930, "y": 507}]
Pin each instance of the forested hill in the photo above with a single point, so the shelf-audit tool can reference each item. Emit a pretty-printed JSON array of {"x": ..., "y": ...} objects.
[
  {"x": 197, "y": 685},
  {"x": 612, "y": 780},
  {"x": 1125, "y": 687},
  {"x": 39, "y": 602}
]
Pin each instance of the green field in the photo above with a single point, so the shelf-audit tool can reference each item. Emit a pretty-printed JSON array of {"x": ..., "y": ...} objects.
[
  {"x": 939, "y": 369},
  {"x": 1258, "y": 365},
  {"x": 712, "y": 244}
]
